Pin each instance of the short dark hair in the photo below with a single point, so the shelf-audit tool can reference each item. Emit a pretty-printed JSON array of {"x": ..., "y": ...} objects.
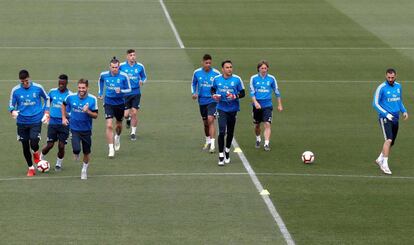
[
  {"x": 84, "y": 81},
  {"x": 225, "y": 62},
  {"x": 23, "y": 74},
  {"x": 391, "y": 71},
  {"x": 207, "y": 57},
  {"x": 63, "y": 77},
  {"x": 130, "y": 51},
  {"x": 262, "y": 62},
  {"x": 114, "y": 60}
]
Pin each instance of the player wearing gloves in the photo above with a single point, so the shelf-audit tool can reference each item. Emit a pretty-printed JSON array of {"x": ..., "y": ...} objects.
[
  {"x": 27, "y": 108},
  {"x": 389, "y": 105},
  {"x": 55, "y": 130},
  {"x": 226, "y": 90}
]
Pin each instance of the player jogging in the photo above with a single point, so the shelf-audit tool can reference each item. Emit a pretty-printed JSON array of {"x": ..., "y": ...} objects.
[
  {"x": 388, "y": 103},
  {"x": 55, "y": 130},
  {"x": 137, "y": 78},
  {"x": 201, "y": 89},
  {"x": 115, "y": 84},
  {"x": 227, "y": 89},
  {"x": 27, "y": 108},
  {"x": 83, "y": 107},
  {"x": 262, "y": 85}
]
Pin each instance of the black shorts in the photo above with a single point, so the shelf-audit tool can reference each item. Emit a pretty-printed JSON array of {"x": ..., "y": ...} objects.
[
  {"x": 208, "y": 110},
  {"x": 84, "y": 138},
  {"x": 29, "y": 131},
  {"x": 226, "y": 121},
  {"x": 262, "y": 115},
  {"x": 116, "y": 111},
  {"x": 389, "y": 129},
  {"x": 57, "y": 132},
  {"x": 132, "y": 101}
]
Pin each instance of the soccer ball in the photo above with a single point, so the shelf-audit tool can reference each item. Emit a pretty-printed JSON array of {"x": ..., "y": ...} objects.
[
  {"x": 43, "y": 166},
  {"x": 308, "y": 157}
]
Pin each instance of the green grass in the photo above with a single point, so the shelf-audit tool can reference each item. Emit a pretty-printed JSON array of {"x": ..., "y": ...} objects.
[{"x": 328, "y": 57}]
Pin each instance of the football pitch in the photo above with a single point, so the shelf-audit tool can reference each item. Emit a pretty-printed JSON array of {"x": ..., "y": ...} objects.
[{"x": 328, "y": 56}]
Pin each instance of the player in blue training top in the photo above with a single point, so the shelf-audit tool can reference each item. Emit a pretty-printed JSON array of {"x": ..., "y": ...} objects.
[
  {"x": 227, "y": 89},
  {"x": 262, "y": 85},
  {"x": 82, "y": 107},
  {"x": 55, "y": 130},
  {"x": 201, "y": 89},
  {"x": 27, "y": 108},
  {"x": 388, "y": 103},
  {"x": 137, "y": 78},
  {"x": 115, "y": 84}
]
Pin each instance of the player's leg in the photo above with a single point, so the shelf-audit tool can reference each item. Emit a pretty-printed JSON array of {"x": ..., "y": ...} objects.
[
  {"x": 50, "y": 142},
  {"x": 387, "y": 130},
  {"x": 35, "y": 135},
  {"x": 127, "y": 115},
  {"x": 257, "y": 119},
  {"x": 86, "y": 140},
  {"x": 119, "y": 113},
  {"x": 222, "y": 122},
  {"x": 211, "y": 116},
  {"x": 231, "y": 123},
  {"x": 109, "y": 115},
  {"x": 267, "y": 119},
  {"x": 63, "y": 135},
  {"x": 204, "y": 115},
  {"x": 135, "y": 105},
  {"x": 23, "y": 135},
  {"x": 76, "y": 144}
]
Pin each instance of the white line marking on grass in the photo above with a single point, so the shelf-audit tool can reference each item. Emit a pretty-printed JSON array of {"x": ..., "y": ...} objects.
[
  {"x": 167, "y": 15},
  {"x": 279, "y": 221},
  {"x": 338, "y": 175}
]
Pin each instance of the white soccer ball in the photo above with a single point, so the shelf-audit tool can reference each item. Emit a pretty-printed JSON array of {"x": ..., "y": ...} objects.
[
  {"x": 308, "y": 157},
  {"x": 43, "y": 166}
]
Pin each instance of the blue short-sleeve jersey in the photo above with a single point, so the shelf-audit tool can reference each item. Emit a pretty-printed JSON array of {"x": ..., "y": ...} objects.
[
  {"x": 223, "y": 86},
  {"x": 262, "y": 87},
  {"x": 56, "y": 98},
  {"x": 135, "y": 74},
  {"x": 80, "y": 121},
  {"x": 108, "y": 83},
  {"x": 202, "y": 83}
]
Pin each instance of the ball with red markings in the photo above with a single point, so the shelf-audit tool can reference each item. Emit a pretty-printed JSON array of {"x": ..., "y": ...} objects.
[
  {"x": 308, "y": 157},
  {"x": 43, "y": 166}
]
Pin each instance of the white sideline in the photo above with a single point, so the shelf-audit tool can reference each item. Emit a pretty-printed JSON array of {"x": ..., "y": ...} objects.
[
  {"x": 278, "y": 219},
  {"x": 167, "y": 15}
]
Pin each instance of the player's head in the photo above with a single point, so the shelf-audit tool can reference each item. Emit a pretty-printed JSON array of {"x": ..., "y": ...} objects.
[
  {"x": 114, "y": 66},
  {"x": 83, "y": 87},
  {"x": 206, "y": 62},
  {"x": 24, "y": 78},
  {"x": 227, "y": 67},
  {"x": 263, "y": 67},
  {"x": 391, "y": 75},
  {"x": 131, "y": 56},
  {"x": 63, "y": 82}
]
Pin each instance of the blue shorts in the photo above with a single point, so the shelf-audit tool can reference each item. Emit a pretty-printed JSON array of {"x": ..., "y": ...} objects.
[
  {"x": 116, "y": 111},
  {"x": 389, "y": 129},
  {"x": 132, "y": 101},
  {"x": 84, "y": 138},
  {"x": 262, "y": 115},
  {"x": 57, "y": 132},
  {"x": 29, "y": 131},
  {"x": 208, "y": 110}
]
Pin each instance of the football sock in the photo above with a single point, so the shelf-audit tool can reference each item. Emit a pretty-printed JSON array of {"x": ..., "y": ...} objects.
[
  {"x": 133, "y": 130},
  {"x": 258, "y": 138},
  {"x": 208, "y": 140},
  {"x": 31, "y": 167},
  {"x": 85, "y": 166},
  {"x": 266, "y": 142},
  {"x": 59, "y": 162},
  {"x": 380, "y": 157},
  {"x": 221, "y": 156},
  {"x": 227, "y": 153},
  {"x": 385, "y": 160},
  {"x": 212, "y": 142},
  {"x": 111, "y": 146}
]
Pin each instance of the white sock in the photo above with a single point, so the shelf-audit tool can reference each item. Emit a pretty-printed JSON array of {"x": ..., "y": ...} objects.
[
  {"x": 227, "y": 150},
  {"x": 208, "y": 140},
  {"x": 133, "y": 130},
  {"x": 258, "y": 138},
  {"x": 59, "y": 162},
  {"x": 31, "y": 167},
  {"x": 111, "y": 146},
  {"x": 117, "y": 137},
  {"x": 85, "y": 166},
  {"x": 385, "y": 160},
  {"x": 42, "y": 157},
  {"x": 380, "y": 157},
  {"x": 267, "y": 142},
  {"x": 212, "y": 142},
  {"x": 221, "y": 154}
]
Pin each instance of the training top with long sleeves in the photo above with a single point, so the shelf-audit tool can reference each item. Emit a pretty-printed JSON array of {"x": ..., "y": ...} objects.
[
  {"x": 262, "y": 87},
  {"x": 28, "y": 102},
  {"x": 224, "y": 86},
  {"x": 202, "y": 83},
  {"x": 109, "y": 82},
  {"x": 388, "y": 100},
  {"x": 135, "y": 74},
  {"x": 80, "y": 121},
  {"x": 56, "y": 98}
]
